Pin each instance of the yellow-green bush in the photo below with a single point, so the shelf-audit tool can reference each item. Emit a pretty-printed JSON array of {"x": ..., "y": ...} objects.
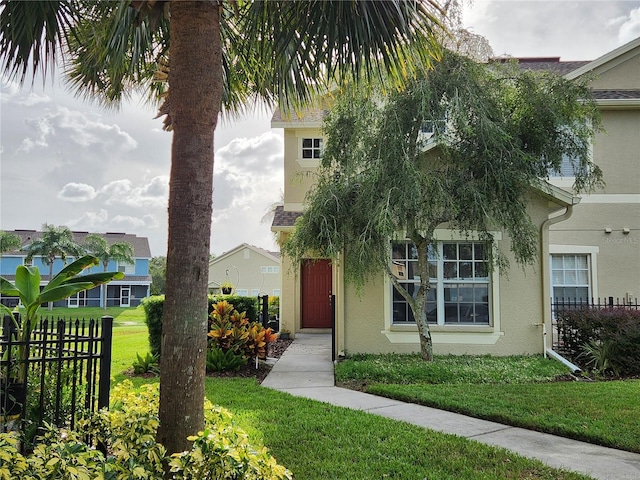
[{"x": 221, "y": 451}]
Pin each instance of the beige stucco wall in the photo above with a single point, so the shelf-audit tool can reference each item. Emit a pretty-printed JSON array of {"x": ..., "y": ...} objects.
[
  {"x": 517, "y": 312},
  {"x": 620, "y": 73},
  {"x": 298, "y": 178},
  {"x": 615, "y": 256},
  {"x": 244, "y": 271}
]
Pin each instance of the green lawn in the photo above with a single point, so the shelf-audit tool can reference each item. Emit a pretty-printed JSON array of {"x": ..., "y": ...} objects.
[
  {"x": 515, "y": 390},
  {"x": 119, "y": 314},
  {"x": 305, "y": 435}
]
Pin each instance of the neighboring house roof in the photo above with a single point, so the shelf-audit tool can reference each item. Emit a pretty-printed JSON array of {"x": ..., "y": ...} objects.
[
  {"x": 273, "y": 256},
  {"x": 140, "y": 245}
]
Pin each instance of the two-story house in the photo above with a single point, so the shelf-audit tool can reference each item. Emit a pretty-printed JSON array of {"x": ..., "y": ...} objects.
[
  {"x": 251, "y": 270},
  {"x": 589, "y": 242},
  {"x": 127, "y": 292}
]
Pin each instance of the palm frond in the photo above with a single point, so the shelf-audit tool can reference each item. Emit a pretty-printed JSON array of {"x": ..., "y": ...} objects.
[{"x": 32, "y": 33}]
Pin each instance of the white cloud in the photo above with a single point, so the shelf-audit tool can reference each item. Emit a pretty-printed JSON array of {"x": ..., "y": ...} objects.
[
  {"x": 127, "y": 222},
  {"x": 630, "y": 27},
  {"x": 77, "y": 192},
  {"x": 90, "y": 221},
  {"x": 115, "y": 191},
  {"x": 153, "y": 193}
]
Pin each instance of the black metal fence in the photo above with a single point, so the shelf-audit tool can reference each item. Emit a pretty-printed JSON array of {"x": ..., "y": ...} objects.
[
  {"x": 566, "y": 338},
  {"x": 57, "y": 373}
]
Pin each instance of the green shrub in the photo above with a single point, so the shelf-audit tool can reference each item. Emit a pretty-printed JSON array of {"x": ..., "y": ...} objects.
[
  {"x": 248, "y": 305},
  {"x": 146, "y": 364},
  {"x": 274, "y": 306},
  {"x": 220, "y": 361},
  {"x": 153, "y": 308},
  {"x": 128, "y": 430},
  {"x": 230, "y": 330},
  {"x": 606, "y": 339}
]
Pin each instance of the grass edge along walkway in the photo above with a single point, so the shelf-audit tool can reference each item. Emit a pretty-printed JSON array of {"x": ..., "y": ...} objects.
[
  {"x": 318, "y": 441},
  {"x": 602, "y": 413}
]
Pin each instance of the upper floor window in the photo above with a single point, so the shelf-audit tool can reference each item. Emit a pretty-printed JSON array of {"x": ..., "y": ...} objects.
[
  {"x": 311, "y": 148},
  {"x": 127, "y": 268},
  {"x": 270, "y": 269},
  {"x": 459, "y": 279}
]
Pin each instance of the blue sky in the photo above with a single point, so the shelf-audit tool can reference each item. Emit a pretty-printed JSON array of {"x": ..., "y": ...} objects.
[{"x": 67, "y": 162}]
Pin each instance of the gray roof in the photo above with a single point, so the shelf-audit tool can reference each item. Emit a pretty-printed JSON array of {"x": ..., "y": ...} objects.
[
  {"x": 550, "y": 64},
  {"x": 140, "y": 245},
  {"x": 616, "y": 94},
  {"x": 284, "y": 218}
]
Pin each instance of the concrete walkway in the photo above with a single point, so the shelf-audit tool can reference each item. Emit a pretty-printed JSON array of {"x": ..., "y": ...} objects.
[{"x": 306, "y": 370}]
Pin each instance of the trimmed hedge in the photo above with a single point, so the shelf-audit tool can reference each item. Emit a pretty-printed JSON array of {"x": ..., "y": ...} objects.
[
  {"x": 154, "y": 306},
  {"x": 602, "y": 338}
]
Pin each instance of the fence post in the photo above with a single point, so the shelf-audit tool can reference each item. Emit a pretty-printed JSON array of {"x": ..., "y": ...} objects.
[
  {"x": 104, "y": 384},
  {"x": 332, "y": 299},
  {"x": 264, "y": 313}
]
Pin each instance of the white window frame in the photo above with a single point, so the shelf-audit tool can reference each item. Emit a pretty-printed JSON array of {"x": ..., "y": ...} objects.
[
  {"x": 309, "y": 135},
  {"x": 127, "y": 268},
  {"x": 475, "y": 335},
  {"x": 590, "y": 251},
  {"x": 270, "y": 269},
  {"x": 440, "y": 284}
]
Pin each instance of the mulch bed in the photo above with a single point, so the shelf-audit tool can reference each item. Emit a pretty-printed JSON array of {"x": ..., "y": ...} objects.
[{"x": 276, "y": 349}]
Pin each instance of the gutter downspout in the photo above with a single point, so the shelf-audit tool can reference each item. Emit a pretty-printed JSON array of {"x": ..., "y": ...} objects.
[{"x": 546, "y": 274}]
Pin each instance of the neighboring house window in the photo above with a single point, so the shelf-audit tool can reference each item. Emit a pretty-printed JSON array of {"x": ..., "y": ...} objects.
[
  {"x": 270, "y": 269},
  {"x": 459, "y": 278},
  {"x": 311, "y": 148},
  {"x": 570, "y": 274},
  {"x": 243, "y": 292},
  {"x": 255, "y": 292},
  {"x": 276, "y": 292},
  {"x": 127, "y": 268}
]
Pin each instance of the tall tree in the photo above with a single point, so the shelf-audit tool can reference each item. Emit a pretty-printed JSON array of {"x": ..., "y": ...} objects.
[
  {"x": 158, "y": 272},
  {"x": 8, "y": 242},
  {"x": 55, "y": 242},
  {"x": 497, "y": 133},
  {"x": 98, "y": 246},
  {"x": 221, "y": 55}
]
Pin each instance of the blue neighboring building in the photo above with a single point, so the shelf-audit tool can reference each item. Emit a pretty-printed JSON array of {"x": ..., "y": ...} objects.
[{"x": 127, "y": 292}]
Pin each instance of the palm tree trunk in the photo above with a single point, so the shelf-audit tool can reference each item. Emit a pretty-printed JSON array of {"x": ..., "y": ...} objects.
[
  {"x": 50, "y": 304},
  {"x": 196, "y": 93}
]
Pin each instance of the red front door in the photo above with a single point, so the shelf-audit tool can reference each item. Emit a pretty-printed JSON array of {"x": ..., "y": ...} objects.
[{"x": 316, "y": 290}]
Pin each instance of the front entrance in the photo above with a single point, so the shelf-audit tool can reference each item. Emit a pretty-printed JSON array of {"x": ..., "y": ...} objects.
[{"x": 316, "y": 292}]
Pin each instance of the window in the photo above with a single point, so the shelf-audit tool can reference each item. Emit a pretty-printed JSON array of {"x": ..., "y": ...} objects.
[
  {"x": 276, "y": 292},
  {"x": 311, "y": 148},
  {"x": 243, "y": 292},
  {"x": 570, "y": 274},
  {"x": 255, "y": 292},
  {"x": 128, "y": 268},
  {"x": 271, "y": 269},
  {"x": 459, "y": 278}
]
